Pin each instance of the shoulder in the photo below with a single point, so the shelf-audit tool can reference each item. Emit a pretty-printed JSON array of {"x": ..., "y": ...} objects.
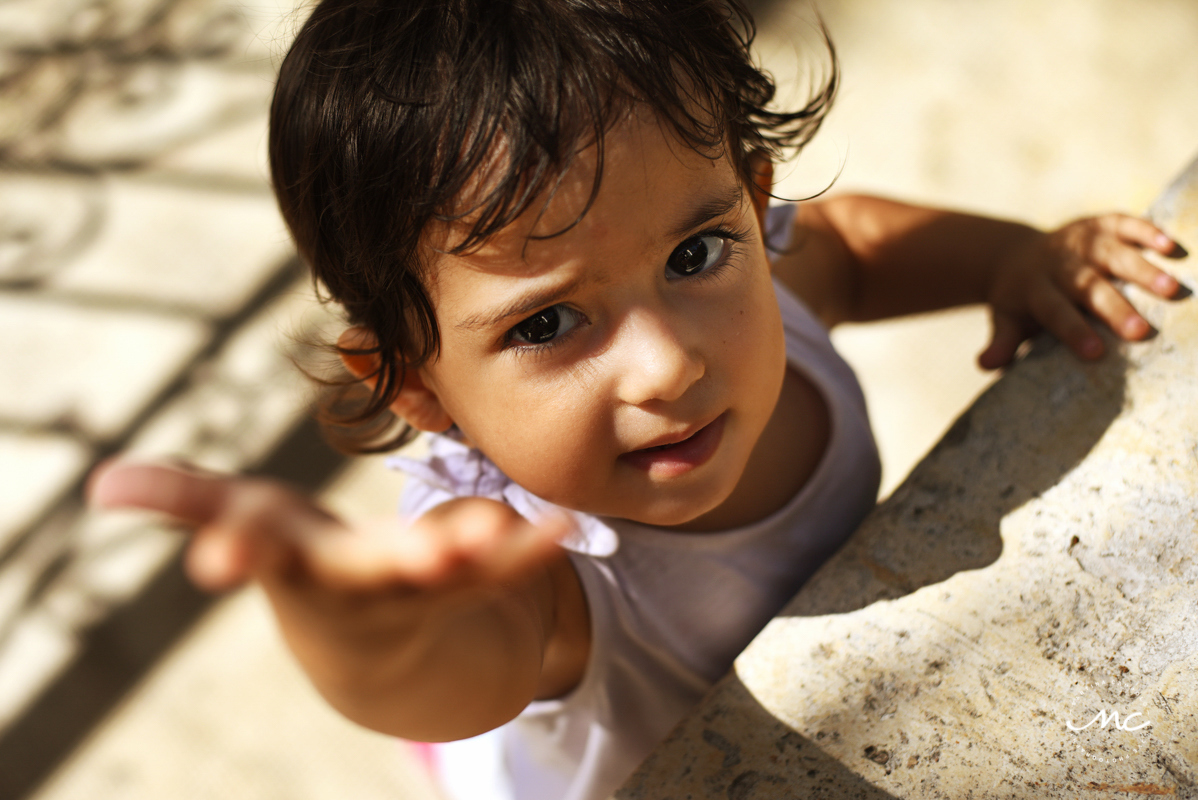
[{"x": 815, "y": 264}]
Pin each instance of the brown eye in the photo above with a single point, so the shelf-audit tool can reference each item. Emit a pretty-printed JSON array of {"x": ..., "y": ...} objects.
[
  {"x": 544, "y": 326},
  {"x": 697, "y": 254}
]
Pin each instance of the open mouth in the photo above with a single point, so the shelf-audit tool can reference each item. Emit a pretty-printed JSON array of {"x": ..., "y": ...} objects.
[
  {"x": 662, "y": 447},
  {"x": 675, "y": 458}
]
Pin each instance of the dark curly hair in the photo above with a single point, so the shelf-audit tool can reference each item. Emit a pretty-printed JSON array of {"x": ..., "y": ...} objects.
[{"x": 385, "y": 110}]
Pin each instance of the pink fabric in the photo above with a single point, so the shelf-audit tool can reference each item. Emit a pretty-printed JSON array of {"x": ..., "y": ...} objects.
[{"x": 426, "y": 754}]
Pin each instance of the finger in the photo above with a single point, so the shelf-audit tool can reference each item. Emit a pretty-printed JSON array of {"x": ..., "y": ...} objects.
[
  {"x": 1061, "y": 317},
  {"x": 529, "y": 546},
  {"x": 376, "y": 554},
  {"x": 434, "y": 549},
  {"x": 1142, "y": 232},
  {"x": 261, "y": 533},
  {"x": 490, "y": 541},
  {"x": 218, "y": 561},
  {"x": 443, "y": 545},
  {"x": 189, "y": 497},
  {"x": 478, "y": 545},
  {"x": 245, "y": 528},
  {"x": 1123, "y": 261},
  {"x": 1108, "y": 304},
  {"x": 1008, "y": 333}
]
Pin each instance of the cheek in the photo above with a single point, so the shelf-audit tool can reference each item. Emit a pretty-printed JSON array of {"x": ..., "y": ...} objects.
[
  {"x": 544, "y": 433},
  {"x": 753, "y": 342}
]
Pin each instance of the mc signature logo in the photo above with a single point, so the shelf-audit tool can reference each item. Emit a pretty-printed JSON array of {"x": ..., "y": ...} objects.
[{"x": 1103, "y": 718}]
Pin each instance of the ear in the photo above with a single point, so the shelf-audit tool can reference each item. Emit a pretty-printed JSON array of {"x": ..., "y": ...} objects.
[
  {"x": 417, "y": 403},
  {"x": 763, "y": 183}
]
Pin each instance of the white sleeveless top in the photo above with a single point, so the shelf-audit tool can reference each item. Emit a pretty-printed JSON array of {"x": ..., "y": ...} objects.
[{"x": 670, "y": 611}]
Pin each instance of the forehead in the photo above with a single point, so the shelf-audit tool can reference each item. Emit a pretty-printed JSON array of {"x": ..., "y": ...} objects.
[{"x": 652, "y": 184}]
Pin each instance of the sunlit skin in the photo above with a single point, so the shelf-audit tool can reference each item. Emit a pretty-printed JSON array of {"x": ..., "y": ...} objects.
[{"x": 564, "y": 359}]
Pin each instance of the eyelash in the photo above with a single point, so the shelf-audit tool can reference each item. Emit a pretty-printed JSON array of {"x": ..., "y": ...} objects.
[
  {"x": 713, "y": 273},
  {"x": 536, "y": 350},
  {"x": 716, "y": 272}
]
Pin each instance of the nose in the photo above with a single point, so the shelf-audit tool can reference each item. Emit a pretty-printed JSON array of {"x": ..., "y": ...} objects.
[{"x": 657, "y": 363}]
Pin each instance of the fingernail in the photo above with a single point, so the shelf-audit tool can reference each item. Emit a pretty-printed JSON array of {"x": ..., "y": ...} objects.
[
  {"x": 1163, "y": 242},
  {"x": 1135, "y": 328},
  {"x": 1164, "y": 284},
  {"x": 1092, "y": 347}
]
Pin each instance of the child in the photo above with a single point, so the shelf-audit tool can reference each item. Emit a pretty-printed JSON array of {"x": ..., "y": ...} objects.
[{"x": 548, "y": 224}]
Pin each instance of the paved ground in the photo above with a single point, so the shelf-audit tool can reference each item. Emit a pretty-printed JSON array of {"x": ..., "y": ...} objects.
[{"x": 148, "y": 300}]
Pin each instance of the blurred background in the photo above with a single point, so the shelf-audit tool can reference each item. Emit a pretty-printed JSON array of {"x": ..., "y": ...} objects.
[{"x": 150, "y": 301}]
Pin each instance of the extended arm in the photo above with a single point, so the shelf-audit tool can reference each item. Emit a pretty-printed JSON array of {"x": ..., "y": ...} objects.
[{"x": 438, "y": 631}]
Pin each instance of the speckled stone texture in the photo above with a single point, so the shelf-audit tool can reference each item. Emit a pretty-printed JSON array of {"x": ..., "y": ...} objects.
[{"x": 1019, "y": 620}]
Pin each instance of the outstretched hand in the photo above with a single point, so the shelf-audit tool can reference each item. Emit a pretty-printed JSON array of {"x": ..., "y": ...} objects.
[
  {"x": 1046, "y": 282},
  {"x": 431, "y": 631},
  {"x": 252, "y": 528}
]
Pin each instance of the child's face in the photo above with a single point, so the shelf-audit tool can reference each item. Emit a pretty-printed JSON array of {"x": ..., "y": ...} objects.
[{"x": 651, "y": 322}]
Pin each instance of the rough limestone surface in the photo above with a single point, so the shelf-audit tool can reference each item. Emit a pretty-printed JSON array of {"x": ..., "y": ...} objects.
[{"x": 1019, "y": 620}]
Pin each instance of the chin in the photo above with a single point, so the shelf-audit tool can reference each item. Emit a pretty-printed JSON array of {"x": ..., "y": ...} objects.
[{"x": 680, "y": 514}]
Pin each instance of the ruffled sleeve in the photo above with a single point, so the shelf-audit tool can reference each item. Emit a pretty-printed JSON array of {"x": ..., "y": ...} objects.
[{"x": 452, "y": 469}]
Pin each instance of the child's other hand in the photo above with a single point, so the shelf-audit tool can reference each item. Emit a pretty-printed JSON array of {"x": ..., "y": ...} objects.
[{"x": 1047, "y": 281}]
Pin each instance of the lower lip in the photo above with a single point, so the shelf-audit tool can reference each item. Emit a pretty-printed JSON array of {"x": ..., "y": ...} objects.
[{"x": 682, "y": 457}]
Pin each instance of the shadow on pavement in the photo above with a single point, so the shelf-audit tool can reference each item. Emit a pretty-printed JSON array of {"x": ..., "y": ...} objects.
[
  {"x": 736, "y": 749},
  {"x": 1017, "y": 441}
]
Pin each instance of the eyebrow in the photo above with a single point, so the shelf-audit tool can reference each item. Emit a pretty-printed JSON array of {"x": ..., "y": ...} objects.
[
  {"x": 519, "y": 307},
  {"x": 727, "y": 200}
]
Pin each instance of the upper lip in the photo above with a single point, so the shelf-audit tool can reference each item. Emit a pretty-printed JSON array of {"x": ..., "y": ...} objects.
[{"x": 675, "y": 438}]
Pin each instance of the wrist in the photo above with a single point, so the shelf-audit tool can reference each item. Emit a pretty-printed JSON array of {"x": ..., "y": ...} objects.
[{"x": 1011, "y": 263}]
